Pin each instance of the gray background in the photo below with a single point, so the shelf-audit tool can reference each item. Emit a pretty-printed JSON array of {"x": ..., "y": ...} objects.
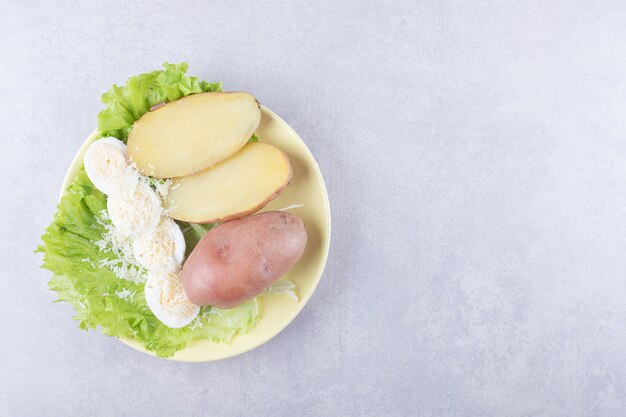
[{"x": 475, "y": 158}]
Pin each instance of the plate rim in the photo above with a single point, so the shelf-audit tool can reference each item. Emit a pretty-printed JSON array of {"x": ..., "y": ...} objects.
[{"x": 71, "y": 173}]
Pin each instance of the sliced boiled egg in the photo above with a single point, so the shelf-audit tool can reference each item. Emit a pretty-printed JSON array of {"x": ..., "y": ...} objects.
[
  {"x": 134, "y": 207},
  {"x": 167, "y": 300},
  {"x": 105, "y": 162},
  {"x": 161, "y": 249}
]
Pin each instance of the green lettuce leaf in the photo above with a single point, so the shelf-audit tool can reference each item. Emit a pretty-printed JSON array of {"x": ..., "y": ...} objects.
[
  {"x": 192, "y": 233},
  {"x": 101, "y": 299}
]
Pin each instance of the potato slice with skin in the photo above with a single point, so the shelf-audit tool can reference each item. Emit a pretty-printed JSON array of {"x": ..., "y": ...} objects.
[
  {"x": 193, "y": 133},
  {"x": 236, "y": 187}
]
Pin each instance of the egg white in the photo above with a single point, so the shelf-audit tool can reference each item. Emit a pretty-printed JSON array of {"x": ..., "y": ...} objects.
[
  {"x": 161, "y": 249},
  {"x": 105, "y": 161},
  {"x": 167, "y": 300},
  {"x": 134, "y": 207}
]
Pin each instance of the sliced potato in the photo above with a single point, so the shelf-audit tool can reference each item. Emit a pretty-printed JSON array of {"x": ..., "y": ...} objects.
[
  {"x": 191, "y": 134},
  {"x": 236, "y": 187}
]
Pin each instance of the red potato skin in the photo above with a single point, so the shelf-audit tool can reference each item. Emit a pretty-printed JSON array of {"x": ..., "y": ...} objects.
[{"x": 239, "y": 259}]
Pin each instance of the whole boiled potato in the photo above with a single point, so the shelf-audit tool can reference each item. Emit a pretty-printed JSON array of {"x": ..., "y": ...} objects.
[{"x": 239, "y": 259}]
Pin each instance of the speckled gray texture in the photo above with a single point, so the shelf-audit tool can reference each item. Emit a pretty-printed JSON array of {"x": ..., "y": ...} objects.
[{"x": 475, "y": 156}]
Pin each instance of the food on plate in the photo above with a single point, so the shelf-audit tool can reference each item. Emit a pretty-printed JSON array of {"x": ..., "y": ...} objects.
[
  {"x": 162, "y": 248},
  {"x": 237, "y": 260},
  {"x": 208, "y": 128},
  {"x": 134, "y": 207},
  {"x": 238, "y": 186},
  {"x": 157, "y": 242},
  {"x": 105, "y": 162},
  {"x": 117, "y": 243},
  {"x": 167, "y": 300}
]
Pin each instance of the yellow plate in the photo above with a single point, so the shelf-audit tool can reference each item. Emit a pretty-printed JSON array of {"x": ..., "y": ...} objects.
[{"x": 307, "y": 188}]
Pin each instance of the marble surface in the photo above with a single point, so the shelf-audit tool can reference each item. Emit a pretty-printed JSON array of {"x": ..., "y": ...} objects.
[{"x": 475, "y": 157}]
